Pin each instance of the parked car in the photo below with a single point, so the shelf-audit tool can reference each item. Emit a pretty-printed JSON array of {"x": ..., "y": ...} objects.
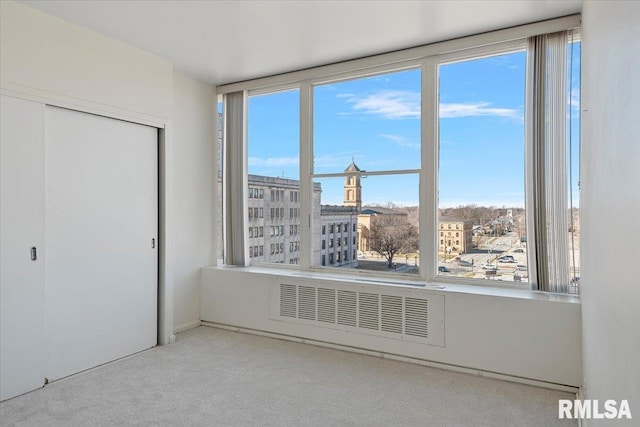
[
  {"x": 443, "y": 269},
  {"x": 486, "y": 266},
  {"x": 521, "y": 267},
  {"x": 519, "y": 250}
]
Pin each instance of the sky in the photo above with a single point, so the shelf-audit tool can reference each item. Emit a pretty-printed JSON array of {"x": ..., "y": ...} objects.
[{"x": 376, "y": 122}]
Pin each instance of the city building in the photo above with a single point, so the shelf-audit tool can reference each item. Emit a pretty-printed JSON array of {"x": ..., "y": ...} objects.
[
  {"x": 454, "y": 235},
  {"x": 367, "y": 219},
  {"x": 274, "y": 219},
  {"x": 338, "y": 231}
]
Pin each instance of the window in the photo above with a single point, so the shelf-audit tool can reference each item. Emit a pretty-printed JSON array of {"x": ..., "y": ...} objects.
[
  {"x": 396, "y": 150},
  {"x": 489, "y": 132},
  {"x": 376, "y": 120},
  {"x": 273, "y": 145}
]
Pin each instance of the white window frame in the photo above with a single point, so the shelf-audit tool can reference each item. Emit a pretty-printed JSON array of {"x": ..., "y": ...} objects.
[{"x": 427, "y": 58}]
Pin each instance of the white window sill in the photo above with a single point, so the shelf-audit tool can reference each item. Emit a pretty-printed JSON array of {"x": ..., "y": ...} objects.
[{"x": 438, "y": 287}]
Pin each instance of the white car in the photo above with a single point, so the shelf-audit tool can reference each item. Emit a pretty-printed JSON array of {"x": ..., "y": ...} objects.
[{"x": 486, "y": 266}]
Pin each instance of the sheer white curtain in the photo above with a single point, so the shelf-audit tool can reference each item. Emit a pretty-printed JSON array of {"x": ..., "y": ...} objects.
[{"x": 547, "y": 161}]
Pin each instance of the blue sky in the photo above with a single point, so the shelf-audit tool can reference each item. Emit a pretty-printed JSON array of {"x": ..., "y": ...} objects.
[{"x": 376, "y": 121}]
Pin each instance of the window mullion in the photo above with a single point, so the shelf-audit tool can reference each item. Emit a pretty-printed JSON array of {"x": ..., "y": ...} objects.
[
  {"x": 306, "y": 170},
  {"x": 428, "y": 206}
]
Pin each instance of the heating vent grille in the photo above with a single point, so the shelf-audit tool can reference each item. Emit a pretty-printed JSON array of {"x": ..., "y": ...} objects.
[
  {"x": 347, "y": 308},
  {"x": 326, "y": 305},
  {"x": 416, "y": 317},
  {"x": 391, "y": 314},
  {"x": 288, "y": 300},
  {"x": 307, "y": 302},
  {"x": 394, "y": 316},
  {"x": 368, "y": 311}
]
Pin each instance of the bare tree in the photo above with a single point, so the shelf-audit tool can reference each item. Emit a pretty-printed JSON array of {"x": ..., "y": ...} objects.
[{"x": 393, "y": 234}]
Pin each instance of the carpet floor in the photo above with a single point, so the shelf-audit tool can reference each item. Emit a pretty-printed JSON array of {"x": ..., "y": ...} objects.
[{"x": 215, "y": 377}]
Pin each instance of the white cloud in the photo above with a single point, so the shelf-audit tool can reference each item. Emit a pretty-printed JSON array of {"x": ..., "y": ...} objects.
[
  {"x": 273, "y": 161},
  {"x": 400, "y": 141},
  {"x": 476, "y": 109},
  {"x": 389, "y": 104},
  {"x": 397, "y": 104}
]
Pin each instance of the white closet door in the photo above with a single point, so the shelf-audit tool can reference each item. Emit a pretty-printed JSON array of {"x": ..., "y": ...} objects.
[
  {"x": 101, "y": 222},
  {"x": 22, "y": 295}
]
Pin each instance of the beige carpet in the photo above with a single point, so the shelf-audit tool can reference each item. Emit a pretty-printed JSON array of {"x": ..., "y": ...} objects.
[{"x": 221, "y": 378}]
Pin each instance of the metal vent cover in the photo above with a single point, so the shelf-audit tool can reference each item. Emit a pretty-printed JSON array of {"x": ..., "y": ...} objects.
[{"x": 401, "y": 314}]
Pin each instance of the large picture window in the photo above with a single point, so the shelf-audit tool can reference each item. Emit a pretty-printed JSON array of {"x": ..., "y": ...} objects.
[
  {"x": 427, "y": 165},
  {"x": 481, "y": 182},
  {"x": 366, "y": 163},
  {"x": 273, "y": 182}
]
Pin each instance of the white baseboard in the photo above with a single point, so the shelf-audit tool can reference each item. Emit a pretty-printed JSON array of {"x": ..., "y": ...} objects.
[
  {"x": 439, "y": 365},
  {"x": 186, "y": 326}
]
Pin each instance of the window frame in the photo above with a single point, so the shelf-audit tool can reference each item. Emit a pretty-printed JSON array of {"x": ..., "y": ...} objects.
[{"x": 427, "y": 58}]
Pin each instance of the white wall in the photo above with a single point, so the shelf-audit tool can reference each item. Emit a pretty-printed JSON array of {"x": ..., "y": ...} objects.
[
  {"x": 44, "y": 55},
  {"x": 47, "y": 60},
  {"x": 510, "y": 332},
  {"x": 192, "y": 204},
  {"x": 611, "y": 201}
]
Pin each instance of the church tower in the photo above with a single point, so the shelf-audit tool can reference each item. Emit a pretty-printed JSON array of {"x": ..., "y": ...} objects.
[{"x": 352, "y": 188}]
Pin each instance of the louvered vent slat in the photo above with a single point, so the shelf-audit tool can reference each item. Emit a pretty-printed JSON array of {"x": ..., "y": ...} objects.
[
  {"x": 307, "y": 302},
  {"x": 347, "y": 308},
  {"x": 368, "y": 311},
  {"x": 288, "y": 306},
  {"x": 327, "y": 305},
  {"x": 391, "y": 320},
  {"x": 416, "y": 317}
]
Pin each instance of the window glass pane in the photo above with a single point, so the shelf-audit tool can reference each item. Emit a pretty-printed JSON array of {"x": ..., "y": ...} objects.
[
  {"x": 219, "y": 201},
  {"x": 573, "y": 166},
  {"x": 371, "y": 224},
  {"x": 374, "y": 121},
  {"x": 273, "y": 165},
  {"x": 481, "y": 230}
]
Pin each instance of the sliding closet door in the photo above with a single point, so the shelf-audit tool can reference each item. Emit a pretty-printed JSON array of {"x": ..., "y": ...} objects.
[
  {"x": 101, "y": 240},
  {"x": 21, "y": 229}
]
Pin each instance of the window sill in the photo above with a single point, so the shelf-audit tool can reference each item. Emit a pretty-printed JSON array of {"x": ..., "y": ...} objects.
[{"x": 438, "y": 287}]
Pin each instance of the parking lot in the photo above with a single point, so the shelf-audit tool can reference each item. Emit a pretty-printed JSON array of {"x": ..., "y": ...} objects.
[{"x": 470, "y": 265}]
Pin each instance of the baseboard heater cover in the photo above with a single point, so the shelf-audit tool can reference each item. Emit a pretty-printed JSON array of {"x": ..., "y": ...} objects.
[{"x": 397, "y": 314}]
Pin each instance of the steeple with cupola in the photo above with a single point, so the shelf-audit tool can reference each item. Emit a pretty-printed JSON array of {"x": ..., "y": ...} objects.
[{"x": 352, "y": 187}]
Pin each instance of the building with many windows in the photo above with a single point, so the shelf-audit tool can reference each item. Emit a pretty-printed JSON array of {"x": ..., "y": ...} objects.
[
  {"x": 338, "y": 237},
  {"x": 274, "y": 225},
  {"x": 454, "y": 235},
  {"x": 274, "y": 219}
]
